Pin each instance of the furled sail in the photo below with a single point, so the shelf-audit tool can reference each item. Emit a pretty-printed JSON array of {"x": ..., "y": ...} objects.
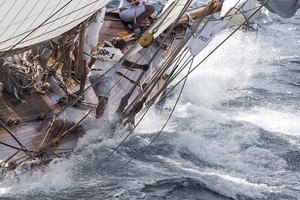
[
  {"x": 284, "y": 8},
  {"x": 25, "y": 23}
]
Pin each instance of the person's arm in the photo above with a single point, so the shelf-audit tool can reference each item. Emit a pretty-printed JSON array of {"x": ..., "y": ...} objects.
[{"x": 133, "y": 65}]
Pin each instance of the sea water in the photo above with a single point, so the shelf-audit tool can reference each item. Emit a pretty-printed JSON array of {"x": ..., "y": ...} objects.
[{"x": 234, "y": 134}]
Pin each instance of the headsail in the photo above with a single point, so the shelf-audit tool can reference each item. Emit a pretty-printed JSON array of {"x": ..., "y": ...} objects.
[
  {"x": 237, "y": 11},
  {"x": 204, "y": 35},
  {"x": 25, "y": 23}
]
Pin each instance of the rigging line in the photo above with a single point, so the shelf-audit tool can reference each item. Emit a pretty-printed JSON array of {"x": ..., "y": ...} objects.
[
  {"x": 165, "y": 85},
  {"x": 61, "y": 136},
  {"x": 170, "y": 78},
  {"x": 75, "y": 10},
  {"x": 35, "y": 29},
  {"x": 85, "y": 90},
  {"x": 115, "y": 149},
  {"x": 48, "y": 127},
  {"x": 10, "y": 9},
  {"x": 62, "y": 127},
  {"x": 167, "y": 14},
  {"x": 48, "y": 22},
  {"x": 13, "y": 18},
  {"x": 136, "y": 61},
  {"x": 139, "y": 79},
  {"x": 185, "y": 51},
  {"x": 55, "y": 7},
  {"x": 156, "y": 76},
  {"x": 149, "y": 78},
  {"x": 232, "y": 8},
  {"x": 127, "y": 69},
  {"x": 155, "y": 54},
  {"x": 117, "y": 146},
  {"x": 13, "y": 147},
  {"x": 172, "y": 60},
  {"x": 14, "y": 137},
  {"x": 26, "y": 157},
  {"x": 162, "y": 88},
  {"x": 39, "y": 13},
  {"x": 2, "y": 3},
  {"x": 238, "y": 9},
  {"x": 169, "y": 31},
  {"x": 10, "y": 157},
  {"x": 228, "y": 36},
  {"x": 51, "y": 124},
  {"x": 267, "y": 1},
  {"x": 158, "y": 134},
  {"x": 192, "y": 30},
  {"x": 136, "y": 44},
  {"x": 152, "y": 82},
  {"x": 59, "y": 16}
]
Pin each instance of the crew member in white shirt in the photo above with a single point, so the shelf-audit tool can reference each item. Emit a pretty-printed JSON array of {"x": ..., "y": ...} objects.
[
  {"x": 135, "y": 12},
  {"x": 101, "y": 73},
  {"x": 90, "y": 41}
]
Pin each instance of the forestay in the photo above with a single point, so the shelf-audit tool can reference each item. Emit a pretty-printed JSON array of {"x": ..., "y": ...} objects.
[{"x": 25, "y": 23}]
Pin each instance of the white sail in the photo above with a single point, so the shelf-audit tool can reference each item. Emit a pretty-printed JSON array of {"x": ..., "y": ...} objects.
[
  {"x": 202, "y": 37},
  {"x": 25, "y": 23},
  {"x": 237, "y": 11}
]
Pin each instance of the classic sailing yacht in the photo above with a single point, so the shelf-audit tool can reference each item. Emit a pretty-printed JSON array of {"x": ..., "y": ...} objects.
[{"x": 35, "y": 44}]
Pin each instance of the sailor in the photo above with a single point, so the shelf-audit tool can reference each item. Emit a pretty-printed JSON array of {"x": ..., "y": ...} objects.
[
  {"x": 135, "y": 12},
  {"x": 90, "y": 42},
  {"x": 102, "y": 72}
]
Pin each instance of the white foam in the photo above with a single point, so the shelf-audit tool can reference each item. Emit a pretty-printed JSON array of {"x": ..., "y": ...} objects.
[{"x": 273, "y": 120}]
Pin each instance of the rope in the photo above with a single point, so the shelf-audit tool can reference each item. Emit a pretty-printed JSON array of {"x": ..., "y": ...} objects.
[
  {"x": 35, "y": 29},
  {"x": 14, "y": 137},
  {"x": 267, "y": 1},
  {"x": 169, "y": 31},
  {"x": 155, "y": 54},
  {"x": 158, "y": 134}
]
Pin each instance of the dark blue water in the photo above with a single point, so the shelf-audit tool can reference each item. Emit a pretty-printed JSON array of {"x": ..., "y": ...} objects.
[{"x": 234, "y": 135}]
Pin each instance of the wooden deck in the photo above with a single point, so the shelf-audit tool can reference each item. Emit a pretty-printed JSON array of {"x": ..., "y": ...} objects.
[{"x": 32, "y": 132}]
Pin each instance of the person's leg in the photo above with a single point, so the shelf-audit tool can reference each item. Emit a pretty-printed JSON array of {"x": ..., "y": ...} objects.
[
  {"x": 102, "y": 102},
  {"x": 73, "y": 56},
  {"x": 101, "y": 86},
  {"x": 85, "y": 59},
  {"x": 149, "y": 9}
]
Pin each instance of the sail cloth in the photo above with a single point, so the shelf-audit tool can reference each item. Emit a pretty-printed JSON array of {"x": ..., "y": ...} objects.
[
  {"x": 25, "y": 23},
  {"x": 284, "y": 8},
  {"x": 237, "y": 11},
  {"x": 201, "y": 39}
]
